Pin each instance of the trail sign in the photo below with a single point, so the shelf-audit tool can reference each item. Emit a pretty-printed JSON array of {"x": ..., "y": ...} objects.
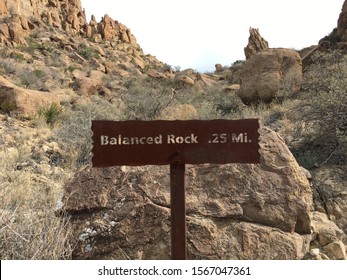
[
  {"x": 167, "y": 142},
  {"x": 175, "y": 143}
]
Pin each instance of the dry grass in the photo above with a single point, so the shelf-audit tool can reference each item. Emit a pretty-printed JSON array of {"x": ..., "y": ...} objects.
[
  {"x": 29, "y": 191},
  {"x": 325, "y": 99}
]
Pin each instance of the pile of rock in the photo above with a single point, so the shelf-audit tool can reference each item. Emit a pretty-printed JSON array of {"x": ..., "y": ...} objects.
[
  {"x": 18, "y": 19},
  {"x": 327, "y": 239},
  {"x": 58, "y": 25},
  {"x": 109, "y": 30}
]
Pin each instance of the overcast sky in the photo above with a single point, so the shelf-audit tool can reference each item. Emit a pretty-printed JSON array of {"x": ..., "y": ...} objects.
[{"x": 200, "y": 33}]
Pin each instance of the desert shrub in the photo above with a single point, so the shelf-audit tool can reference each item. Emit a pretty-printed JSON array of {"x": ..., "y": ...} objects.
[
  {"x": 29, "y": 226},
  {"x": 215, "y": 103},
  {"x": 87, "y": 52},
  {"x": 290, "y": 86},
  {"x": 167, "y": 67},
  {"x": 34, "y": 45},
  {"x": 74, "y": 67},
  {"x": 32, "y": 78},
  {"x": 37, "y": 78},
  {"x": 233, "y": 74},
  {"x": 332, "y": 37},
  {"x": 325, "y": 83},
  {"x": 51, "y": 113},
  {"x": 25, "y": 235},
  {"x": 18, "y": 57},
  {"x": 74, "y": 131},
  {"x": 7, "y": 106},
  {"x": 9, "y": 65},
  {"x": 145, "y": 98},
  {"x": 45, "y": 48}
]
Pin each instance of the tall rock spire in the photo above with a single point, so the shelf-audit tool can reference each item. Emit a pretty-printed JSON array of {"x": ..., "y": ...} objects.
[
  {"x": 256, "y": 43},
  {"x": 338, "y": 37}
]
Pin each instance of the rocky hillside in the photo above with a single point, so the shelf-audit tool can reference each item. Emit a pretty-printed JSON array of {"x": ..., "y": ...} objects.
[{"x": 59, "y": 71}]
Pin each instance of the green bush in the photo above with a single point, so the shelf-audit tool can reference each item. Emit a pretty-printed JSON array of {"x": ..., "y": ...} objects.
[
  {"x": 8, "y": 106},
  {"x": 18, "y": 57},
  {"x": 87, "y": 52},
  {"x": 51, "y": 113}
]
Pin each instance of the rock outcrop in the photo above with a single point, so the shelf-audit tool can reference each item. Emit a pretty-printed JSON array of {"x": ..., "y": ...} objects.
[
  {"x": 256, "y": 43},
  {"x": 266, "y": 72},
  {"x": 110, "y": 30},
  {"x": 342, "y": 23},
  {"x": 338, "y": 36},
  {"x": 27, "y": 102},
  {"x": 19, "y": 18},
  {"x": 234, "y": 211},
  {"x": 31, "y": 31}
]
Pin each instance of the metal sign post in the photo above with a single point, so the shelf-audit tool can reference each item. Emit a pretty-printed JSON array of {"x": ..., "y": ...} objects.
[
  {"x": 178, "y": 212},
  {"x": 175, "y": 143}
]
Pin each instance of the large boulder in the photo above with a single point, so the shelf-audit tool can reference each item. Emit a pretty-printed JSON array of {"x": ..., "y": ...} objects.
[
  {"x": 234, "y": 211},
  {"x": 25, "y": 101},
  {"x": 186, "y": 80},
  {"x": 268, "y": 71},
  {"x": 87, "y": 86}
]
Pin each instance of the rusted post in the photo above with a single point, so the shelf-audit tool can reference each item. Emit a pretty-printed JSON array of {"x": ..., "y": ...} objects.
[{"x": 178, "y": 212}]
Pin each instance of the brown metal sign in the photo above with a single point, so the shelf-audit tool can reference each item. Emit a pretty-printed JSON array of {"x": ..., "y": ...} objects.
[
  {"x": 175, "y": 143},
  {"x": 166, "y": 142}
]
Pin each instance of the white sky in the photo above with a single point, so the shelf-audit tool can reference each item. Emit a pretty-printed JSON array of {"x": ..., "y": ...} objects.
[{"x": 200, "y": 33}]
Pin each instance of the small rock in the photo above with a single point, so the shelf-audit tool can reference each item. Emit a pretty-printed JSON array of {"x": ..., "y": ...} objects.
[
  {"x": 327, "y": 232},
  {"x": 231, "y": 88},
  {"x": 335, "y": 250},
  {"x": 306, "y": 172},
  {"x": 186, "y": 80},
  {"x": 155, "y": 74},
  {"x": 179, "y": 112},
  {"x": 314, "y": 252}
]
